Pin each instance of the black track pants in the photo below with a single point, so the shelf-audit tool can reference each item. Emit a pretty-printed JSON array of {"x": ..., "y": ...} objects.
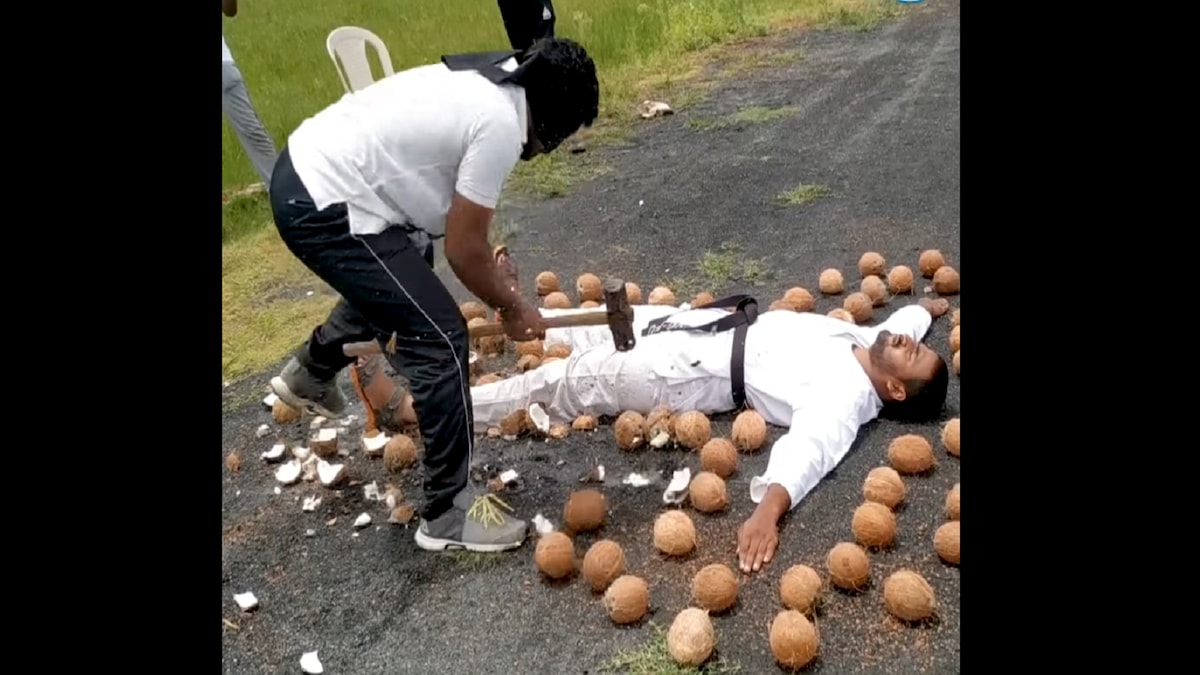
[
  {"x": 525, "y": 21},
  {"x": 386, "y": 285}
]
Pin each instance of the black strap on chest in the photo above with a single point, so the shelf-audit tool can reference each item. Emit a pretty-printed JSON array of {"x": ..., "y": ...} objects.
[
  {"x": 486, "y": 64},
  {"x": 744, "y": 313}
]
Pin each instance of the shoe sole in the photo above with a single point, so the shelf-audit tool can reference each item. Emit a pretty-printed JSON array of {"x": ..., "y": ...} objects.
[
  {"x": 281, "y": 390},
  {"x": 433, "y": 544}
]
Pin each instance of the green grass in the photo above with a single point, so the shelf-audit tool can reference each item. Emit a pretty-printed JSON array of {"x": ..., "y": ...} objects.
[
  {"x": 653, "y": 658},
  {"x": 717, "y": 271},
  {"x": 743, "y": 118},
  {"x": 804, "y": 194},
  {"x": 644, "y": 49}
]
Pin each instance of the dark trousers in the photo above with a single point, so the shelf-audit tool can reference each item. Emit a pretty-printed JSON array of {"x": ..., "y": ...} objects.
[
  {"x": 524, "y": 23},
  {"x": 387, "y": 286}
]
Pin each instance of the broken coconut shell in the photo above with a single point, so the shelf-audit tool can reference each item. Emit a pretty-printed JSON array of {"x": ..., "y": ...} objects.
[
  {"x": 693, "y": 429},
  {"x": 908, "y": 596},
  {"x": 283, "y": 413},
  {"x": 715, "y": 587},
  {"x": 674, "y": 533},
  {"x": 830, "y": 282},
  {"x": 514, "y": 424},
  {"x": 603, "y": 563},
  {"x": 324, "y": 443},
  {"x": 627, "y": 599},
  {"x": 719, "y": 456},
  {"x": 911, "y": 454}
]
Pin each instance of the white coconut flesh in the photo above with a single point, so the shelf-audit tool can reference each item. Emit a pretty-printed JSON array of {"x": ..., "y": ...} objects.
[
  {"x": 270, "y": 400},
  {"x": 508, "y": 476},
  {"x": 371, "y": 491},
  {"x": 636, "y": 480},
  {"x": 275, "y": 453},
  {"x": 677, "y": 489},
  {"x": 363, "y": 520},
  {"x": 263, "y": 431},
  {"x": 374, "y": 445},
  {"x": 310, "y": 664},
  {"x": 542, "y": 525},
  {"x": 246, "y": 601},
  {"x": 330, "y": 474},
  {"x": 540, "y": 419},
  {"x": 288, "y": 473},
  {"x": 311, "y": 503},
  {"x": 660, "y": 440},
  {"x": 309, "y": 468},
  {"x": 301, "y": 452},
  {"x": 317, "y": 422},
  {"x": 392, "y": 496}
]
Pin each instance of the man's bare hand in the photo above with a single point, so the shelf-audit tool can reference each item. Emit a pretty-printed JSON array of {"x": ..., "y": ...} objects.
[
  {"x": 523, "y": 323},
  {"x": 935, "y": 308},
  {"x": 758, "y": 539}
]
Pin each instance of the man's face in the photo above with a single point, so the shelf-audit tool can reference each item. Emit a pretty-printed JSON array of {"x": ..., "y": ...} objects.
[{"x": 903, "y": 358}]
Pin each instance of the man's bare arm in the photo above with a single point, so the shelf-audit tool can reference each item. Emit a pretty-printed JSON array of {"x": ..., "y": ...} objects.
[
  {"x": 229, "y": 7},
  {"x": 470, "y": 255}
]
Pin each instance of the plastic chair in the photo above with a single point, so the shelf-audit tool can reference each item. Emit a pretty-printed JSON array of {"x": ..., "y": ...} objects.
[{"x": 354, "y": 66}]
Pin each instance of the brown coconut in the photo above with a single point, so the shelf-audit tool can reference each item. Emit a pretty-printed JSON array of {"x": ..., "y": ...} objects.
[
  {"x": 874, "y": 525},
  {"x": 884, "y": 486},
  {"x": 707, "y": 492},
  {"x": 589, "y": 304},
  {"x": 661, "y": 295},
  {"x": 900, "y": 279},
  {"x": 584, "y": 423},
  {"x": 692, "y": 429},
  {"x": 830, "y": 282},
  {"x": 527, "y": 363},
  {"x": 955, "y": 359},
  {"x": 633, "y": 293},
  {"x": 558, "y": 351},
  {"x": 627, "y": 599},
  {"x": 945, "y": 542},
  {"x": 628, "y": 429},
  {"x": 950, "y": 436},
  {"x": 555, "y": 555},
  {"x": 794, "y": 639},
  {"x": 908, "y": 596},
  {"x": 859, "y": 306},
  {"x": 849, "y": 567},
  {"x": 874, "y": 288},
  {"x": 546, "y": 283},
  {"x": 841, "y": 314},
  {"x": 871, "y": 264},
  {"x": 531, "y": 348},
  {"x": 556, "y": 300},
  {"x": 954, "y": 338},
  {"x": 603, "y": 563},
  {"x": 585, "y": 510},
  {"x": 588, "y": 287},
  {"x": 702, "y": 299},
  {"x": 515, "y": 423},
  {"x": 954, "y": 318},
  {"x": 952, "y": 503},
  {"x": 800, "y": 299},
  {"x": 781, "y": 305},
  {"x": 691, "y": 639},
  {"x": 945, "y": 280},
  {"x": 715, "y": 587},
  {"x": 719, "y": 456},
  {"x": 659, "y": 421},
  {"x": 930, "y": 261},
  {"x": 472, "y": 309},
  {"x": 800, "y": 588},
  {"x": 399, "y": 453},
  {"x": 911, "y": 454},
  {"x": 283, "y": 413},
  {"x": 488, "y": 378},
  {"x": 674, "y": 533},
  {"x": 749, "y": 432}
]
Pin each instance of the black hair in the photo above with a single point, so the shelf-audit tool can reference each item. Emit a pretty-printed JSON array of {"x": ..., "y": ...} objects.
[
  {"x": 561, "y": 88},
  {"x": 925, "y": 399}
]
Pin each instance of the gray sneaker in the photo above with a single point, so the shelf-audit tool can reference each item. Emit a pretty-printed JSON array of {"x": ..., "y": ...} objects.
[
  {"x": 301, "y": 390},
  {"x": 461, "y": 528}
]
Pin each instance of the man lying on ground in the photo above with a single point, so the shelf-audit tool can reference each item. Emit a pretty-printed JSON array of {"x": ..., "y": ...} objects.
[{"x": 819, "y": 377}]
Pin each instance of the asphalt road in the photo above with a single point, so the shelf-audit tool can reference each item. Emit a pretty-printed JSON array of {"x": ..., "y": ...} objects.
[{"x": 877, "y": 123}]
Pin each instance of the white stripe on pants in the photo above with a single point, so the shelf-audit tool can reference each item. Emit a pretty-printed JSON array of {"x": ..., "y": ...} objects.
[{"x": 244, "y": 120}]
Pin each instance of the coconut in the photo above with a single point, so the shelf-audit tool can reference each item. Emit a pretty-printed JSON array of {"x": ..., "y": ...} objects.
[
  {"x": 659, "y": 426},
  {"x": 628, "y": 429},
  {"x": 859, "y": 306},
  {"x": 633, "y": 293},
  {"x": 874, "y": 525},
  {"x": 526, "y": 363},
  {"x": 584, "y": 423},
  {"x": 555, "y": 555},
  {"x": 603, "y": 563},
  {"x": 781, "y": 305},
  {"x": 674, "y": 533},
  {"x": 799, "y": 298},
  {"x": 950, "y": 436},
  {"x": 849, "y": 567},
  {"x": 794, "y": 639},
  {"x": 399, "y": 453},
  {"x": 900, "y": 279},
  {"x": 588, "y": 287},
  {"x": 373, "y": 442},
  {"x": 749, "y": 431},
  {"x": 588, "y": 304},
  {"x": 929, "y": 262},
  {"x": 952, "y": 503},
  {"x": 324, "y": 443},
  {"x": 871, "y": 264},
  {"x": 911, "y": 454},
  {"x": 945, "y": 280},
  {"x": 719, "y": 456},
  {"x": 908, "y": 596},
  {"x": 558, "y": 351},
  {"x": 233, "y": 462},
  {"x": 956, "y": 362},
  {"x": 284, "y": 413},
  {"x": 559, "y": 431},
  {"x": 531, "y": 348},
  {"x": 884, "y": 486},
  {"x": 627, "y": 599},
  {"x": 556, "y": 300},
  {"x": 488, "y": 378},
  {"x": 585, "y": 510},
  {"x": 839, "y": 313},
  {"x": 692, "y": 429},
  {"x": 874, "y": 288},
  {"x": 546, "y": 283},
  {"x": 472, "y": 309},
  {"x": 715, "y": 587},
  {"x": 800, "y": 588},
  {"x": 702, "y": 298},
  {"x": 514, "y": 424},
  {"x": 708, "y": 493},
  {"x": 661, "y": 295},
  {"x": 691, "y": 639},
  {"x": 830, "y": 282},
  {"x": 954, "y": 338},
  {"x": 954, "y": 318},
  {"x": 945, "y": 542}
]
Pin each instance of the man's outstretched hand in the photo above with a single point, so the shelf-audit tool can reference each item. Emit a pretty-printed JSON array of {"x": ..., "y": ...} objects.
[
  {"x": 935, "y": 308},
  {"x": 758, "y": 539}
]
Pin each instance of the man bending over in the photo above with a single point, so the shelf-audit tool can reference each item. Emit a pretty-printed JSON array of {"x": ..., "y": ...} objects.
[{"x": 819, "y": 377}]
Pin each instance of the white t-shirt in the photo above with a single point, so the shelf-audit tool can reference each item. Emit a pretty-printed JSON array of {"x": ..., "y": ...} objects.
[
  {"x": 397, "y": 150},
  {"x": 226, "y": 55}
]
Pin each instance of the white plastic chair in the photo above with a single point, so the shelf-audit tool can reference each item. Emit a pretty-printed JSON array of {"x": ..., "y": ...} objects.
[{"x": 347, "y": 47}]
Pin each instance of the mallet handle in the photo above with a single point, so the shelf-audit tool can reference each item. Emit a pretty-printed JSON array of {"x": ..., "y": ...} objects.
[{"x": 596, "y": 318}]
